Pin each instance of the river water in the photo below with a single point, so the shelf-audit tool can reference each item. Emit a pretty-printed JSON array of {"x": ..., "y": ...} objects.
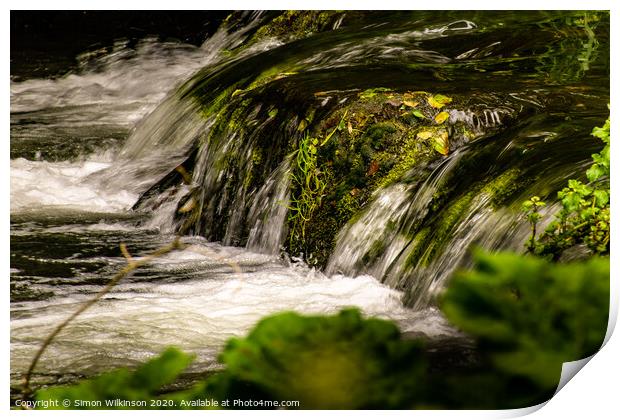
[{"x": 66, "y": 225}]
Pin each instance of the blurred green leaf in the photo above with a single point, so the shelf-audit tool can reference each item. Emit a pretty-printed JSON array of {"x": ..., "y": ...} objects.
[
  {"x": 341, "y": 361},
  {"x": 531, "y": 315},
  {"x": 140, "y": 385}
]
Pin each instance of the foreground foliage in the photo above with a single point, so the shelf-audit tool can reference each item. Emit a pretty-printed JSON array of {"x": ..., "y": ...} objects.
[
  {"x": 528, "y": 316},
  {"x": 143, "y": 384},
  {"x": 584, "y": 218},
  {"x": 339, "y": 361},
  {"x": 328, "y": 362}
]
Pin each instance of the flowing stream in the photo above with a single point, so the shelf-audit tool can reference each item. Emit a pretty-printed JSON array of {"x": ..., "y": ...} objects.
[{"x": 89, "y": 151}]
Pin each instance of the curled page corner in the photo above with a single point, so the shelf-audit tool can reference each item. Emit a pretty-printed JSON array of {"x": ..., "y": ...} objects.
[{"x": 570, "y": 369}]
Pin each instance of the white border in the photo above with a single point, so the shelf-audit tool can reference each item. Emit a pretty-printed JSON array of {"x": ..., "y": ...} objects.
[{"x": 593, "y": 393}]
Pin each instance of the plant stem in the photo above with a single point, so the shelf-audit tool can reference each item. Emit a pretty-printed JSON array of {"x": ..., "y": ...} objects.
[{"x": 132, "y": 264}]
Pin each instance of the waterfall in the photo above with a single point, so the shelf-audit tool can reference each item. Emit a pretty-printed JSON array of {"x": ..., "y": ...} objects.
[
  {"x": 214, "y": 158},
  {"x": 150, "y": 139},
  {"x": 267, "y": 215}
]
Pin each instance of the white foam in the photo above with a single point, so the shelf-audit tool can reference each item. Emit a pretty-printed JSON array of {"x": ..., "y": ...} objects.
[
  {"x": 39, "y": 184},
  {"x": 197, "y": 315},
  {"x": 131, "y": 80}
]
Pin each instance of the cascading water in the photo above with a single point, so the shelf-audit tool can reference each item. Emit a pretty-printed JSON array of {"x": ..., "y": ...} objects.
[
  {"x": 211, "y": 157},
  {"x": 267, "y": 216}
]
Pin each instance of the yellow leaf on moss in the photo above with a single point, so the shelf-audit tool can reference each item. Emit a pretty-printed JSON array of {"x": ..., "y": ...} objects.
[
  {"x": 439, "y": 101},
  {"x": 441, "y": 117},
  {"x": 423, "y": 135},
  {"x": 441, "y": 144},
  {"x": 411, "y": 104}
]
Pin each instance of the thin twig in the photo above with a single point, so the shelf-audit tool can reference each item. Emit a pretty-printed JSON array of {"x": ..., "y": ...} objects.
[
  {"x": 132, "y": 264},
  {"x": 126, "y": 253}
]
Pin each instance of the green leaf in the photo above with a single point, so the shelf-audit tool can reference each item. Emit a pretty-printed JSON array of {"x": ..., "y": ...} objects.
[
  {"x": 533, "y": 217},
  {"x": 341, "y": 361},
  {"x": 441, "y": 144},
  {"x": 302, "y": 125},
  {"x": 161, "y": 370},
  {"x": 530, "y": 315},
  {"x": 579, "y": 187},
  {"x": 571, "y": 201},
  {"x": 595, "y": 172},
  {"x": 601, "y": 197},
  {"x": 141, "y": 385},
  {"x": 418, "y": 114},
  {"x": 602, "y": 132}
]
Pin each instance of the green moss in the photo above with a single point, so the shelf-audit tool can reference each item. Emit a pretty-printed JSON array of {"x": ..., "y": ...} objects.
[
  {"x": 503, "y": 187},
  {"x": 271, "y": 74},
  {"x": 211, "y": 107},
  {"x": 297, "y": 24},
  {"x": 346, "y": 207},
  {"x": 371, "y": 146},
  {"x": 404, "y": 162},
  {"x": 348, "y": 154},
  {"x": 448, "y": 210},
  {"x": 454, "y": 214},
  {"x": 257, "y": 156},
  {"x": 432, "y": 240},
  {"x": 371, "y": 93},
  {"x": 374, "y": 252},
  {"x": 419, "y": 244}
]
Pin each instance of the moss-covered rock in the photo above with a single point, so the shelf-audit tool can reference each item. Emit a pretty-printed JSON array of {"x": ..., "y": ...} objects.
[
  {"x": 374, "y": 140},
  {"x": 297, "y": 24}
]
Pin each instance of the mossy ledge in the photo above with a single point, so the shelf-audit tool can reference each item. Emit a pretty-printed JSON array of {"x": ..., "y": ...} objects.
[
  {"x": 361, "y": 141},
  {"x": 376, "y": 138}
]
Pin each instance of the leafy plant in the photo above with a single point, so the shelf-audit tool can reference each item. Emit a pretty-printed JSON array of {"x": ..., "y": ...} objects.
[
  {"x": 308, "y": 185},
  {"x": 531, "y": 207},
  {"x": 338, "y": 362},
  {"x": 585, "y": 217},
  {"x": 140, "y": 386},
  {"x": 530, "y": 315}
]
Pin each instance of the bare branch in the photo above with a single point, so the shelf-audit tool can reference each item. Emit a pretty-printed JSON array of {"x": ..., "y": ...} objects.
[{"x": 132, "y": 264}]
